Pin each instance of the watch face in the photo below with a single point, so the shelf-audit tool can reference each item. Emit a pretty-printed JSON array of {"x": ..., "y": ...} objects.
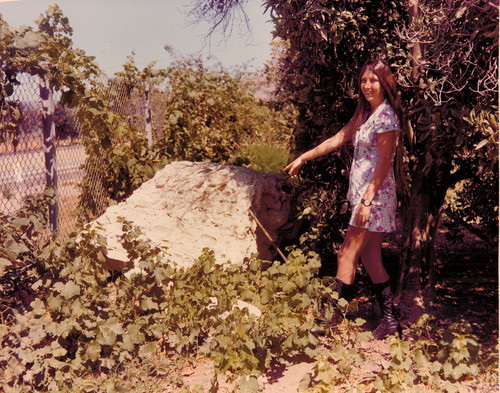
[{"x": 366, "y": 203}]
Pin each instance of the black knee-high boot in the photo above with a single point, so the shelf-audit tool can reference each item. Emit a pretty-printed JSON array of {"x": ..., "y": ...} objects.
[{"x": 389, "y": 323}]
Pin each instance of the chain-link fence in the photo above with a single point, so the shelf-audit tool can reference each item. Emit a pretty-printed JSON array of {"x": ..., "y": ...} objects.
[{"x": 24, "y": 152}]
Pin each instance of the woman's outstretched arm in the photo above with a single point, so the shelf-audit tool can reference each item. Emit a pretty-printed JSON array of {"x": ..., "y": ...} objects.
[{"x": 327, "y": 146}]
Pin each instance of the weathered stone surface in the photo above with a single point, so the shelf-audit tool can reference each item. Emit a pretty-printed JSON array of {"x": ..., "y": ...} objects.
[{"x": 189, "y": 206}]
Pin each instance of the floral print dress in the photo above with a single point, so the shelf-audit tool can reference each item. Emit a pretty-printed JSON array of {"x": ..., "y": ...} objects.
[{"x": 383, "y": 211}]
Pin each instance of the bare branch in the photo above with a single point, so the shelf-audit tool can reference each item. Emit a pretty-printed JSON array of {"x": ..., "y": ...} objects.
[
  {"x": 222, "y": 15},
  {"x": 453, "y": 66}
]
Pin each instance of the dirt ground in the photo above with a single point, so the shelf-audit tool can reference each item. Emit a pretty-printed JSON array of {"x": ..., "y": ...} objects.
[{"x": 286, "y": 379}]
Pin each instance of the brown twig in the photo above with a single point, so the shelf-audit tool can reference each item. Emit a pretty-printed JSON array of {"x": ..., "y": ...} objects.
[{"x": 267, "y": 234}]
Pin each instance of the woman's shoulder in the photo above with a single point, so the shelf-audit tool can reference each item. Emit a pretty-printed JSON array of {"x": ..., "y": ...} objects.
[
  {"x": 387, "y": 107},
  {"x": 387, "y": 117}
]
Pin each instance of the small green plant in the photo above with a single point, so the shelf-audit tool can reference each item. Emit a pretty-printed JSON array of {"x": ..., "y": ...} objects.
[
  {"x": 335, "y": 365},
  {"x": 442, "y": 358},
  {"x": 264, "y": 158}
]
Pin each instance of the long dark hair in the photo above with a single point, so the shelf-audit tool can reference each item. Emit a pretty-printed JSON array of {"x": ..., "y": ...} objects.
[{"x": 389, "y": 87}]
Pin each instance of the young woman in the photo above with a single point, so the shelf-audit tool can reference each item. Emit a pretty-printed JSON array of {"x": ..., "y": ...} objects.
[{"x": 374, "y": 130}]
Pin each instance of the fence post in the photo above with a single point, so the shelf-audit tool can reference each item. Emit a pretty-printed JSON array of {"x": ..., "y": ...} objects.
[
  {"x": 49, "y": 134},
  {"x": 149, "y": 127}
]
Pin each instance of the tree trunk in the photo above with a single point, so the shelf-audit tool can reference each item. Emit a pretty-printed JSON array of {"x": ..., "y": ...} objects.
[
  {"x": 422, "y": 218},
  {"x": 149, "y": 126},
  {"x": 416, "y": 49},
  {"x": 417, "y": 274}
]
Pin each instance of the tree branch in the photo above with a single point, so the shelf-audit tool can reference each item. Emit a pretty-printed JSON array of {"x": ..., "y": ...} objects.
[
  {"x": 469, "y": 227},
  {"x": 220, "y": 14}
]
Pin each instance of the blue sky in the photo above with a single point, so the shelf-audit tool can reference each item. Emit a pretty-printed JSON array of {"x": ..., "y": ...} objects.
[{"x": 111, "y": 29}]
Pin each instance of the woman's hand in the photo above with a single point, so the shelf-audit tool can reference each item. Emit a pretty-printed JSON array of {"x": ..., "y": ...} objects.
[
  {"x": 362, "y": 215},
  {"x": 294, "y": 166}
]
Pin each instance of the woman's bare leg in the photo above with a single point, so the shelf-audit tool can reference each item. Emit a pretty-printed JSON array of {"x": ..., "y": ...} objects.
[
  {"x": 371, "y": 256},
  {"x": 355, "y": 241}
]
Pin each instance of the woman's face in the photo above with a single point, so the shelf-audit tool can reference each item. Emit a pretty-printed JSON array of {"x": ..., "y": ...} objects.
[{"x": 371, "y": 89}]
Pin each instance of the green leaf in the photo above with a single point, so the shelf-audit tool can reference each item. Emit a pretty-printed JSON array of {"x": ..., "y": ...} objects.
[
  {"x": 342, "y": 303},
  {"x": 106, "y": 336},
  {"x": 365, "y": 336},
  {"x": 305, "y": 382},
  {"x": 157, "y": 330},
  {"x": 57, "y": 350},
  {"x": 37, "y": 333},
  {"x": 249, "y": 384},
  {"x": 20, "y": 223},
  {"x": 68, "y": 289},
  {"x": 127, "y": 343},
  {"x": 93, "y": 351},
  {"x": 311, "y": 352},
  {"x": 421, "y": 360},
  {"x": 148, "y": 304},
  {"x": 13, "y": 248},
  {"x": 247, "y": 294},
  {"x": 135, "y": 334},
  {"x": 265, "y": 296},
  {"x": 38, "y": 307},
  {"x": 359, "y": 322},
  {"x": 289, "y": 286},
  {"x": 54, "y": 303},
  {"x": 436, "y": 367},
  {"x": 114, "y": 325},
  {"x": 149, "y": 348},
  {"x": 410, "y": 378}
]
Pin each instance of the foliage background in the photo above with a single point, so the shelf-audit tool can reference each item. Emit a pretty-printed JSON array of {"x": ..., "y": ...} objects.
[{"x": 66, "y": 321}]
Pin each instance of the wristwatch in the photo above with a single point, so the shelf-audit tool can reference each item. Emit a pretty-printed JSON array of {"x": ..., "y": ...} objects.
[{"x": 365, "y": 202}]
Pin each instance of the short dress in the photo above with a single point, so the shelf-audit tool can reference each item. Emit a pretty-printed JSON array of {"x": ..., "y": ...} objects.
[{"x": 383, "y": 210}]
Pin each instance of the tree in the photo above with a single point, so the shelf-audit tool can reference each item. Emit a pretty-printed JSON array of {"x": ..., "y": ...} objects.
[
  {"x": 143, "y": 83},
  {"x": 445, "y": 55},
  {"x": 453, "y": 86},
  {"x": 46, "y": 52},
  {"x": 213, "y": 115}
]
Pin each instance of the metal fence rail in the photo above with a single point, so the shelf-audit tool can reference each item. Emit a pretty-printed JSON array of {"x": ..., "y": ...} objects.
[{"x": 23, "y": 171}]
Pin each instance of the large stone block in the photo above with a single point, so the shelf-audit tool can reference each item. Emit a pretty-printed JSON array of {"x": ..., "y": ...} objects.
[{"x": 189, "y": 206}]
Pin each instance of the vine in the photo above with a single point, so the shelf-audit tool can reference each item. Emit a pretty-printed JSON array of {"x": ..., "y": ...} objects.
[{"x": 82, "y": 326}]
